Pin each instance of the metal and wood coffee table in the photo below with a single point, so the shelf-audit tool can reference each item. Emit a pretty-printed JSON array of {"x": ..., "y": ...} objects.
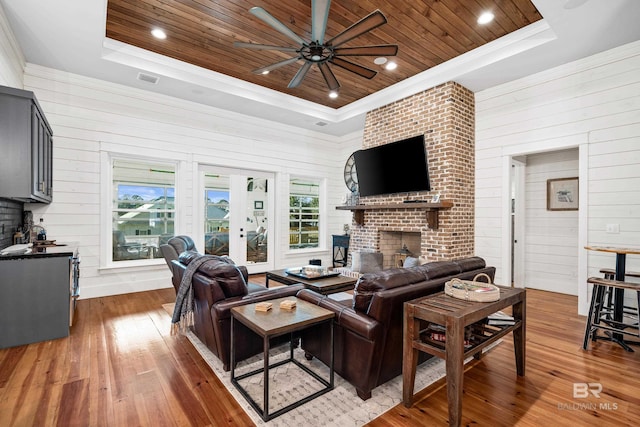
[
  {"x": 273, "y": 323},
  {"x": 324, "y": 286},
  {"x": 456, "y": 314}
]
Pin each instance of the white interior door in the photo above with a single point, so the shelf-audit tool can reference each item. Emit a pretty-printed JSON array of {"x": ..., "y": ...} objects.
[{"x": 235, "y": 210}]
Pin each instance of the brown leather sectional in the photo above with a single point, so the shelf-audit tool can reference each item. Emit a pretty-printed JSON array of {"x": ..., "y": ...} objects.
[
  {"x": 368, "y": 329},
  {"x": 217, "y": 288}
]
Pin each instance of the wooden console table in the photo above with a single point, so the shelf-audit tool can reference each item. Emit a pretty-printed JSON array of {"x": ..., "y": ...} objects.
[
  {"x": 455, "y": 314},
  {"x": 432, "y": 210}
]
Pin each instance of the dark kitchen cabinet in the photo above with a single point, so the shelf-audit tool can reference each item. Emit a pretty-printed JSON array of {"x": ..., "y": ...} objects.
[
  {"x": 26, "y": 144},
  {"x": 34, "y": 300}
]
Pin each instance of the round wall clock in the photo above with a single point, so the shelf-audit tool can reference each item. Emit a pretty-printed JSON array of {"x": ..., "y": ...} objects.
[{"x": 350, "y": 176}]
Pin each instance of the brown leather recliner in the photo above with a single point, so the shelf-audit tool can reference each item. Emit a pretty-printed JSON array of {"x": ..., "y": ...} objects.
[
  {"x": 219, "y": 286},
  {"x": 369, "y": 329},
  {"x": 172, "y": 250}
]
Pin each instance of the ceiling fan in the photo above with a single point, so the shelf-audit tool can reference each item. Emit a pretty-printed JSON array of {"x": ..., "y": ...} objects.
[{"x": 321, "y": 52}]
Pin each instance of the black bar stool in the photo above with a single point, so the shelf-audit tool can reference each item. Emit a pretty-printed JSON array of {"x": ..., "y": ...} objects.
[
  {"x": 610, "y": 274},
  {"x": 601, "y": 310}
]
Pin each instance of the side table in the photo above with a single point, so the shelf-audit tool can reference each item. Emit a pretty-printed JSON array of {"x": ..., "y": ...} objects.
[
  {"x": 455, "y": 314},
  {"x": 273, "y": 323},
  {"x": 340, "y": 250}
]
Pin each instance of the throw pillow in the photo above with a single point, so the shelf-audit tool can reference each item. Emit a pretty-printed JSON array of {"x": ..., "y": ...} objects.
[
  {"x": 411, "y": 262},
  {"x": 355, "y": 261}
]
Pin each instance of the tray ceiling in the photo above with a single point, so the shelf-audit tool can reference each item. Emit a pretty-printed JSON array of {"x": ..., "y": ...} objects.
[{"x": 202, "y": 32}]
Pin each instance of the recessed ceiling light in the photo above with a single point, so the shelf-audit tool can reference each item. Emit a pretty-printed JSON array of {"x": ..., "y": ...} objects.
[
  {"x": 333, "y": 94},
  {"x": 265, "y": 72},
  {"x": 391, "y": 65},
  {"x": 380, "y": 60},
  {"x": 158, "y": 33},
  {"x": 485, "y": 18}
]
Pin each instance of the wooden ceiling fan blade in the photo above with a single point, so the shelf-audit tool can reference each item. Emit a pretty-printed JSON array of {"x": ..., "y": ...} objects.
[
  {"x": 299, "y": 75},
  {"x": 319, "y": 18},
  {"x": 379, "y": 50},
  {"x": 257, "y": 46},
  {"x": 267, "y": 18},
  {"x": 354, "y": 68},
  {"x": 368, "y": 23},
  {"x": 276, "y": 65},
  {"x": 329, "y": 77}
]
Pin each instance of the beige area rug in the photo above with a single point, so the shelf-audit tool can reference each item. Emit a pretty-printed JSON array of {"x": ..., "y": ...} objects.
[{"x": 339, "y": 407}]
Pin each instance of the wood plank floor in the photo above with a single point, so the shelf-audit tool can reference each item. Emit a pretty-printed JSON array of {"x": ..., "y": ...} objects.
[{"x": 121, "y": 367}]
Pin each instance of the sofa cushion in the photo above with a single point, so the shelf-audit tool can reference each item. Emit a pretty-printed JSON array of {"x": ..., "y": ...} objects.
[
  {"x": 438, "y": 269},
  {"x": 411, "y": 262},
  {"x": 370, "y": 283},
  {"x": 472, "y": 263},
  {"x": 366, "y": 262}
]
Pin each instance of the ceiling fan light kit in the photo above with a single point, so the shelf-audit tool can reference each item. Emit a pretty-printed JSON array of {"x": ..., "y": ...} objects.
[{"x": 321, "y": 53}]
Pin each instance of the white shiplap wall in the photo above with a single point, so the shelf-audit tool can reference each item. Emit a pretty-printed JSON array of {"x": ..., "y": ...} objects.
[
  {"x": 551, "y": 237},
  {"x": 591, "y": 104},
  {"x": 11, "y": 57},
  {"x": 91, "y": 117}
]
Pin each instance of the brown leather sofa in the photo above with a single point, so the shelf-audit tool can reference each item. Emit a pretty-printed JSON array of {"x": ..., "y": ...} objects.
[
  {"x": 217, "y": 288},
  {"x": 368, "y": 329}
]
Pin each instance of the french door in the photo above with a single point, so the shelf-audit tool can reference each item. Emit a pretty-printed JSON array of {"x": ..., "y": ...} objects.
[{"x": 236, "y": 214}]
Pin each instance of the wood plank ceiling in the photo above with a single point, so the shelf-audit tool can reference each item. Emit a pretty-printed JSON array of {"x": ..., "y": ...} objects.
[{"x": 202, "y": 32}]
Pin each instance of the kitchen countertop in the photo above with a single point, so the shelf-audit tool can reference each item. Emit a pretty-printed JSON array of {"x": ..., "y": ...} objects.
[{"x": 69, "y": 249}]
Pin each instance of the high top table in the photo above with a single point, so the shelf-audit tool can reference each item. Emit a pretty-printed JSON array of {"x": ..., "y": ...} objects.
[{"x": 618, "y": 304}]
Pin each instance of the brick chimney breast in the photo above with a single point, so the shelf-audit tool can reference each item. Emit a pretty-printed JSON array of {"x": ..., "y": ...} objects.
[{"x": 445, "y": 115}]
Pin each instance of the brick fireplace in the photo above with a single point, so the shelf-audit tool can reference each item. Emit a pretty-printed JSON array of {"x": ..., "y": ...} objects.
[{"x": 445, "y": 116}]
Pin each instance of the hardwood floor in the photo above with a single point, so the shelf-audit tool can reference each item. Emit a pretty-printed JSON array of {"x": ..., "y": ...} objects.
[{"x": 121, "y": 367}]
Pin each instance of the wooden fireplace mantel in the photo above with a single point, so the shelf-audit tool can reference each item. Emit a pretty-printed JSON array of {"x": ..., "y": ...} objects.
[{"x": 432, "y": 210}]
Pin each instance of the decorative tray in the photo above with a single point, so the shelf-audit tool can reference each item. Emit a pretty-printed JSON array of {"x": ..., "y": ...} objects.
[{"x": 311, "y": 272}]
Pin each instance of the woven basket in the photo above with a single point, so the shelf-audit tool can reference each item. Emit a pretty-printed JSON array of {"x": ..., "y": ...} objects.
[{"x": 473, "y": 290}]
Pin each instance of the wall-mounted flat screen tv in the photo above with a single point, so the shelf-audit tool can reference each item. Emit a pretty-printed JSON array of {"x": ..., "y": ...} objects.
[{"x": 397, "y": 167}]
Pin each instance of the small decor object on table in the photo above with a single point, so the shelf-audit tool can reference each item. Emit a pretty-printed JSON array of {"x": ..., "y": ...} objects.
[
  {"x": 313, "y": 271},
  {"x": 264, "y": 306},
  {"x": 288, "y": 305},
  {"x": 473, "y": 290}
]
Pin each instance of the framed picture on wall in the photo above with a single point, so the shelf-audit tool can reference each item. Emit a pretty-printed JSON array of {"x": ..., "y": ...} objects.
[
  {"x": 562, "y": 194},
  {"x": 258, "y": 204}
]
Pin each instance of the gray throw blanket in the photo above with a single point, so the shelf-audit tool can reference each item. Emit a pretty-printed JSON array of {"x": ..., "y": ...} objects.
[{"x": 182, "y": 317}]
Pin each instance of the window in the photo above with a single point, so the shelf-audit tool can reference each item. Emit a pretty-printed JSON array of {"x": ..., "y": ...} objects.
[
  {"x": 143, "y": 208},
  {"x": 304, "y": 213}
]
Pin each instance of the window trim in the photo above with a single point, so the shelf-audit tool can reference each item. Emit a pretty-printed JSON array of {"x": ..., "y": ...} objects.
[
  {"x": 322, "y": 215},
  {"x": 107, "y": 159}
]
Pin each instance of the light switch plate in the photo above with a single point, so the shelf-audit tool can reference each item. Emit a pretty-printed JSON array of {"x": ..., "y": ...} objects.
[{"x": 613, "y": 228}]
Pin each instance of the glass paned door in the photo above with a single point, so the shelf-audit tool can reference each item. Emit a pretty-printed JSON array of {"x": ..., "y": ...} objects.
[{"x": 236, "y": 208}]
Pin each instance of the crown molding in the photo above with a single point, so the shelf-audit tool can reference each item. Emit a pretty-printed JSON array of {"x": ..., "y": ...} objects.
[{"x": 514, "y": 43}]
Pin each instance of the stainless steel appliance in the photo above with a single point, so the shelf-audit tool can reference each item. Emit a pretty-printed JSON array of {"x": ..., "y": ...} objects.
[{"x": 74, "y": 282}]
